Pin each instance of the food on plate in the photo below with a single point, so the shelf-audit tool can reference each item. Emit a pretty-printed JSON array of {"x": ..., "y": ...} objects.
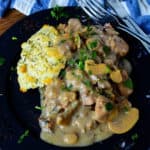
[
  {"x": 40, "y": 62},
  {"x": 83, "y": 79},
  {"x": 125, "y": 121}
]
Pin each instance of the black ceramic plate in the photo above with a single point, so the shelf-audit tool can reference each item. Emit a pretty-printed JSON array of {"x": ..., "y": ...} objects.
[{"x": 17, "y": 112}]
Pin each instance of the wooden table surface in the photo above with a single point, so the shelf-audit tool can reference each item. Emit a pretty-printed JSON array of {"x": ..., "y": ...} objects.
[{"x": 11, "y": 17}]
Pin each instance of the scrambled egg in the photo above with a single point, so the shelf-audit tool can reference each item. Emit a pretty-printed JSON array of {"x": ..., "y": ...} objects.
[{"x": 40, "y": 60}]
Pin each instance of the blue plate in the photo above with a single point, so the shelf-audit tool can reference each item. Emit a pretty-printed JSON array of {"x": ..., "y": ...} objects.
[{"x": 17, "y": 112}]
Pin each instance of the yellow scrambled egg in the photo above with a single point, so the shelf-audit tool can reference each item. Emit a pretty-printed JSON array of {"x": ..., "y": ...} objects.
[{"x": 40, "y": 60}]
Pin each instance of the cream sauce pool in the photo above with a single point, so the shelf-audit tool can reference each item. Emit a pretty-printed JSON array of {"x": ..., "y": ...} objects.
[{"x": 86, "y": 130}]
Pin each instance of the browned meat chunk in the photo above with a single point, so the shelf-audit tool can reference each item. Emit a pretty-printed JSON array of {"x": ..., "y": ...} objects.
[
  {"x": 74, "y": 25},
  {"x": 100, "y": 112}
]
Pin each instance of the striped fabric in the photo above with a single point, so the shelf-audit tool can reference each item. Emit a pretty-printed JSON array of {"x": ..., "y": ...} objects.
[
  {"x": 140, "y": 8},
  {"x": 31, "y": 6}
]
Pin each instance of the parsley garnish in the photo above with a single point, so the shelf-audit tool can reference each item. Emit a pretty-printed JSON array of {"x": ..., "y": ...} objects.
[
  {"x": 128, "y": 83},
  {"x": 58, "y": 12},
  {"x": 94, "y": 55},
  {"x": 62, "y": 73},
  {"x": 50, "y": 44},
  {"x": 125, "y": 109},
  {"x": 77, "y": 40},
  {"x": 71, "y": 62},
  {"x": 89, "y": 28},
  {"x": 109, "y": 106},
  {"x": 62, "y": 41},
  {"x": 39, "y": 107},
  {"x": 87, "y": 83},
  {"x": 108, "y": 69},
  {"x": 92, "y": 44},
  {"x": 67, "y": 88},
  {"x": 81, "y": 65},
  {"x": 106, "y": 49},
  {"x": 21, "y": 138},
  {"x": 90, "y": 72},
  {"x": 2, "y": 61},
  {"x": 83, "y": 54},
  {"x": 134, "y": 137},
  {"x": 14, "y": 38}
]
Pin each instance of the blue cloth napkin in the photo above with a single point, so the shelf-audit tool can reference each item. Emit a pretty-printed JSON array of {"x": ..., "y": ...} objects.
[
  {"x": 138, "y": 9},
  {"x": 136, "y": 13}
]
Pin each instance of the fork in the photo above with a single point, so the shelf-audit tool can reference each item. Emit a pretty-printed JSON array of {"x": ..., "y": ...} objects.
[
  {"x": 97, "y": 13},
  {"x": 118, "y": 8}
]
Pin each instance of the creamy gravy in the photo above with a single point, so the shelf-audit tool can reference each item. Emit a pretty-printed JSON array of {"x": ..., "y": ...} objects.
[
  {"x": 79, "y": 125},
  {"x": 80, "y": 103}
]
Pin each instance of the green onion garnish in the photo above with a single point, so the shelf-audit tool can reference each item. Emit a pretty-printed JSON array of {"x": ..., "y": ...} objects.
[
  {"x": 14, "y": 38},
  {"x": 106, "y": 49},
  {"x": 2, "y": 61},
  {"x": 62, "y": 73},
  {"x": 39, "y": 107},
  {"x": 67, "y": 88},
  {"x": 94, "y": 55},
  {"x": 81, "y": 65},
  {"x": 109, "y": 106},
  {"x": 58, "y": 12},
  {"x": 93, "y": 44},
  {"x": 87, "y": 83},
  {"x": 134, "y": 137},
  {"x": 21, "y": 138},
  {"x": 128, "y": 83}
]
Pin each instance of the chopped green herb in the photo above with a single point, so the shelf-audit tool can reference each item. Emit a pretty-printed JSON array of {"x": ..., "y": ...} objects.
[
  {"x": 106, "y": 50},
  {"x": 87, "y": 83},
  {"x": 14, "y": 38},
  {"x": 90, "y": 72},
  {"x": 78, "y": 40},
  {"x": 109, "y": 106},
  {"x": 94, "y": 55},
  {"x": 90, "y": 31},
  {"x": 89, "y": 28},
  {"x": 21, "y": 138},
  {"x": 58, "y": 12},
  {"x": 92, "y": 44},
  {"x": 50, "y": 44},
  {"x": 81, "y": 65},
  {"x": 125, "y": 109},
  {"x": 53, "y": 14},
  {"x": 134, "y": 137},
  {"x": 108, "y": 70},
  {"x": 2, "y": 61},
  {"x": 67, "y": 88},
  {"x": 71, "y": 62},
  {"x": 62, "y": 41},
  {"x": 62, "y": 73},
  {"x": 128, "y": 83},
  {"x": 83, "y": 54},
  {"x": 93, "y": 33},
  {"x": 39, "y": 107},
  {"x": 73, "y": 73}
]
